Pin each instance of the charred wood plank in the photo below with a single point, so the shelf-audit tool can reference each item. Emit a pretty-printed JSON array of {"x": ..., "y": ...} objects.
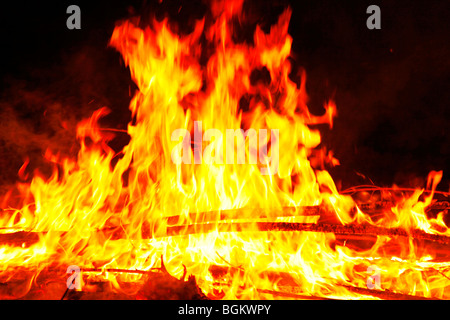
[
  {"x": 211, "y": 221},
  {"x": 246, "y": 213},
  {"x": 27, "y": 238},
  {"x": 307, "y": 227}
]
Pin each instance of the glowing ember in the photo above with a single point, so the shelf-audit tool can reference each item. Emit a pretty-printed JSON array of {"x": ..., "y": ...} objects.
[{"x": 245, "y": 229}]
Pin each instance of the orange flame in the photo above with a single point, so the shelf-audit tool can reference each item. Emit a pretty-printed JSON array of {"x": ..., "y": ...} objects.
[{"x": 94, "y": 214}]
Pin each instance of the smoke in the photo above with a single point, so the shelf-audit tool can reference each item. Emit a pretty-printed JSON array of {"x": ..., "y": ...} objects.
[{"x": 40, "y": 109}]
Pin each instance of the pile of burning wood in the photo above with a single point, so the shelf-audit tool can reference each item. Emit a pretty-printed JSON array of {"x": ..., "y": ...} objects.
[{"x": 171, "y": 218}]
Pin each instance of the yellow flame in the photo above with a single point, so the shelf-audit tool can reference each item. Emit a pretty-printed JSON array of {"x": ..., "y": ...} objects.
[{"x": 98, "y": 215}]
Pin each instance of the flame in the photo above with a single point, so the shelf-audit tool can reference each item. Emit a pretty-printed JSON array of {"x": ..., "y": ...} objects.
[{"x": 98, "y": 213}]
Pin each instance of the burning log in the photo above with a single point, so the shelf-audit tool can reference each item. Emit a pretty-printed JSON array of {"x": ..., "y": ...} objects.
[
  {"x": 253, "y": 213},
  {"x": 19, "y": 238},
  {"x": 349, "y": 232},
  {"x": 357, "y": 230},
  {"x": 26, "y": 238},
  {"x": 384, "y": 294}
]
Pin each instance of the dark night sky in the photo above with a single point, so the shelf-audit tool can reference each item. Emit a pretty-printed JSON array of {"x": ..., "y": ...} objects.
[{"x": 391, "y": 86}]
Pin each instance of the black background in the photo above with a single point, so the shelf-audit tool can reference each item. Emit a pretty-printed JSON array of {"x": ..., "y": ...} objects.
[
  {"x": 391, "y": 86},
  {"x": 278, "y": 308}
]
